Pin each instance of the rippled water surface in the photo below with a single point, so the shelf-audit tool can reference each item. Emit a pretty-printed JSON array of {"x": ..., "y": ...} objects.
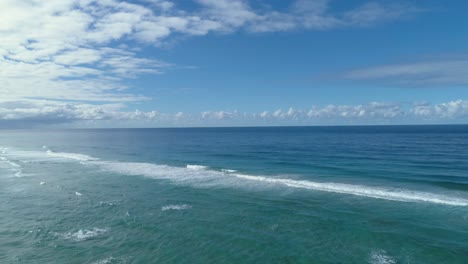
[{"x": 393, "y": 194}]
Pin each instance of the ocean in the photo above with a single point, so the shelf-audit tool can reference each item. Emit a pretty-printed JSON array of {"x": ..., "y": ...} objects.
[{"x": 370, "y": 194}]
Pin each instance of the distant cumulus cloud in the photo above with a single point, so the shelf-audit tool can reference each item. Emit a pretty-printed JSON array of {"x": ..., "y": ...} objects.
[
  {"x": 447, "y": 111},
  {"x": 37, "y": 112},
  {"x": 372, "y": 111},
  {"x": 219, "y": 115}
]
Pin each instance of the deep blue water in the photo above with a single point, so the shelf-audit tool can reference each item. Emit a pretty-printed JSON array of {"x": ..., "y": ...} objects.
[{"x": 378, "y": 194}]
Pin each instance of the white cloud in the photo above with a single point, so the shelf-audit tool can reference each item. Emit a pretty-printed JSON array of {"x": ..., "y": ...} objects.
[
  {"x": 84, "y": 50},
  {"x": 448, "y": 111},
  {"x": 60, "y": 112},
  {"x": 219, "y": 115},
  {"x": 232, "y": 13},
  {"x": 78, "y": 56},
  {"x": 374, "y": 110},
  {"x": 37, "y": 112},
  {"x": 56, "y": 40},
  {"x": 370, "y": 113}
]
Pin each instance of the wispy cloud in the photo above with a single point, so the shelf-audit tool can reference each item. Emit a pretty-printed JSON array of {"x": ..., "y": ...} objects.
[
  {"x": 302, "y": 14},
  {"x": 439, "y": 72}
]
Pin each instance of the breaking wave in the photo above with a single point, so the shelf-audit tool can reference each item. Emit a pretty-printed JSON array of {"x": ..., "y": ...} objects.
[
  {"x": 213, "y": 178},
  {"x": 198, "y": 175}
]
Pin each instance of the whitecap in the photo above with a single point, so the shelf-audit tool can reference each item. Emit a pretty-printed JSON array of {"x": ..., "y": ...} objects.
[
  {"x": 176, "y": 207},
  {"x": 82, "y": 235},
  {"x": 381, "y": 257},
  {"x": 78, "y": 194},
  {"x": 74, "y": 156},
  {"x": 196, "y": 167},
  {"x": 104, "y": 261}
]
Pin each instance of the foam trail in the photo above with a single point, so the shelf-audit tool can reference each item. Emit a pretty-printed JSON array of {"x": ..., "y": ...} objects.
[
  {"x": 13, "y": 166},
  {"x": 9, "y": 162},
  {"x": 212, "y": 178},
  {"x": 74, "y": 156},
  {"x": 40, "y": 156}
]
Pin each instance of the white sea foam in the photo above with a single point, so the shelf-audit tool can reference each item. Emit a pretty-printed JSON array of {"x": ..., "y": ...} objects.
[
  {"x": 381, "y": 257},
  {"x": 11, "y": 163},
  {"x": 27, "y": 156},
  {"x": 104, "y": 261},
  {"x": 78, "y": 194},
  {"x": 176, "y": 207},
  {"x": 42, "y": 183},
  {"x": 74, "y": 156},
  {"x": 196, "y": 167},
  {"x": 175, "y": 174},
  {"x": 12, "y": 166},
  {"x": 82, "y": 235}
]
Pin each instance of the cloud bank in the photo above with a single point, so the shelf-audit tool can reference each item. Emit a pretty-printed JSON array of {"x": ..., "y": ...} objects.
[{"x": 43, "y": 112}]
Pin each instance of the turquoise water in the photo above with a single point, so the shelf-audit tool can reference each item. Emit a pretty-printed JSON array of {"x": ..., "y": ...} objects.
[{"x": 235, "y": 195}]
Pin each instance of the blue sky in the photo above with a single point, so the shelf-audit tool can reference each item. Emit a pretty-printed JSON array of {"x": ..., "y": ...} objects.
[{"x": 153, "y": 63}]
